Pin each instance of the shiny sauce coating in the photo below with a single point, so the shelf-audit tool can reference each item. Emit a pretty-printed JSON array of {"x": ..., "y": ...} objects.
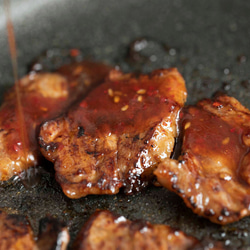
[
  {"x": 43, "y": 96},
  {"x": 123, "y": 106},
  {"x": 116, "y": 136},
  {"x": 212, "y": 174},
  {"x": 214, "y": 141}
]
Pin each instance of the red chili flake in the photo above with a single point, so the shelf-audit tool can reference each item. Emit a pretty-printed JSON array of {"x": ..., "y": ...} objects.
[
  {"x": 152, "y": 93},
  {"x": 181, "y": 115},
  {"x": 74, "y": 52},
  {"x": 105, "y": 91},
  {"x": 232, "y": 130},
  {"x": 83, "y": 104}
]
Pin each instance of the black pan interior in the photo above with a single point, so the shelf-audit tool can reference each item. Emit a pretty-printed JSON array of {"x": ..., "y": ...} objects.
[{"x": 208, "y": 41}]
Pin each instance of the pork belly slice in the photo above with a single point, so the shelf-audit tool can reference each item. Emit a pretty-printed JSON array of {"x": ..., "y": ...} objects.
[
  {"x": 212, "y": 175},
  {"x": 116, "y": 136},
  {"x": 43, "y": 97},
  {"x": 106, "y": 231},
  {"x": 15, "y": 232}
]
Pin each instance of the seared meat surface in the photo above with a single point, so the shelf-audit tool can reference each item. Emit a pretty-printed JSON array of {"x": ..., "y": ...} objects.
[
  {"x": 212, "y": 175},
  {"x": 106, "y": 231},
  {"x": 43, "y": 97},
  {"x": 117, "y": 135},
  {"x": 15, "y": 233}
]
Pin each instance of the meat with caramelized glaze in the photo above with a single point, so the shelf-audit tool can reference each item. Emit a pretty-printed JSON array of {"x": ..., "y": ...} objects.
[
  {"x": 43, "y": 97},
  {"x": 212, "y": 175},
  {"x": 117, "y": 135},
  {"x": 105, "y": 231},
  {"x": 15, "y": 233}
]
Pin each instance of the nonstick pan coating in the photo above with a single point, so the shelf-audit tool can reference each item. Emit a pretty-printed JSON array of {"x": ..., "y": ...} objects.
[{"x": 208, "y": 41}]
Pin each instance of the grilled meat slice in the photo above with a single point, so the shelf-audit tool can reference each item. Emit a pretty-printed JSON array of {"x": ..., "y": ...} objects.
[
  {"x": 53, "y": 234},
  {"x": 43, "y": 97},
  {"x": 15, "y": 233},
  {"x": 105, "y": 231},
  {"x": 212, "y": 174},
  {"x": 117, "y": 135}
]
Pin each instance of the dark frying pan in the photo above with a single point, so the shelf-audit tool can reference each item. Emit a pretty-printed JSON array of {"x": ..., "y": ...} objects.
[{"x": 209, "y": 42}]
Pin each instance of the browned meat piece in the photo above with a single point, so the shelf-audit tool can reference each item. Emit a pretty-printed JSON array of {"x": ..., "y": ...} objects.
[
  {"x": 105, "y": 231},
  {"x": 117, "y": 135},
  {"x": 15, "y": 233},
  {"x": 53, "y": 234},
  {"x": 43, "y": 97},
  {"x": 212, "y": 174}
]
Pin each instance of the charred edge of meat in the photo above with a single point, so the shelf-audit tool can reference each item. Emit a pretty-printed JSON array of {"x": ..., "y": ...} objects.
[{"x": 47, "y": 147}]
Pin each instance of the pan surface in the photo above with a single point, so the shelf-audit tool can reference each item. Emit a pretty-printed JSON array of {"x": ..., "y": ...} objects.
[{"x": 208, "y": 41}]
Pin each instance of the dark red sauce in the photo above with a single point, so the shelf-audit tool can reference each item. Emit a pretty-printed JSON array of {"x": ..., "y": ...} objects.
[
  {"x": 213, "y": 140},
  {"x": 117, "y": 106},
  {"x": 39, "y": 105},
  {"x": 23, "y": 142}
]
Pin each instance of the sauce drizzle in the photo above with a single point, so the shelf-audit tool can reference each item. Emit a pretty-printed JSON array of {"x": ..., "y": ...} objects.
[{"x": 13, "y": 55}]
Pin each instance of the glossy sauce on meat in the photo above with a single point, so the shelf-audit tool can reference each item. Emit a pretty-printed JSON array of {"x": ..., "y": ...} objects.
[
  {"x": 119, "y": 107},
  {"x": 212, "y": 174},
  {"x": 43, "y": 96},
  {"x": 116, "y": 136},
  {"x": 215, "y": 141}
]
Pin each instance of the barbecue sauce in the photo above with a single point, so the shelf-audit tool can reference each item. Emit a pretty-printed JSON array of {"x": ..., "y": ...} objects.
[
  {"x": 212, "y": 172},
  {"x": 24, "y": 142},
  {"x": 125, "y": 105}
]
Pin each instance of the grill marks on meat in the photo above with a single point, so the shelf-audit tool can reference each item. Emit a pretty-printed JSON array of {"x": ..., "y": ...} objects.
[
  {"x": 106, "y": 231},
  {"x": 117, "y": 135},
  {"x": 43, "y": 97},
  {"x": 15, "y": 233},
  {"x": 213, "y": 172}
]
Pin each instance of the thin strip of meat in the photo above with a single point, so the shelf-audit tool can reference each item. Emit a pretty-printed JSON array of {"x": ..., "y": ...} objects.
[
  {"x": 106, "y": 231},
  {"x": 212, "y": 175},
  {"x": 15, "y": 232},
  {"x": 43, "y": 97},
  {"x": 117, "y": 135}
]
